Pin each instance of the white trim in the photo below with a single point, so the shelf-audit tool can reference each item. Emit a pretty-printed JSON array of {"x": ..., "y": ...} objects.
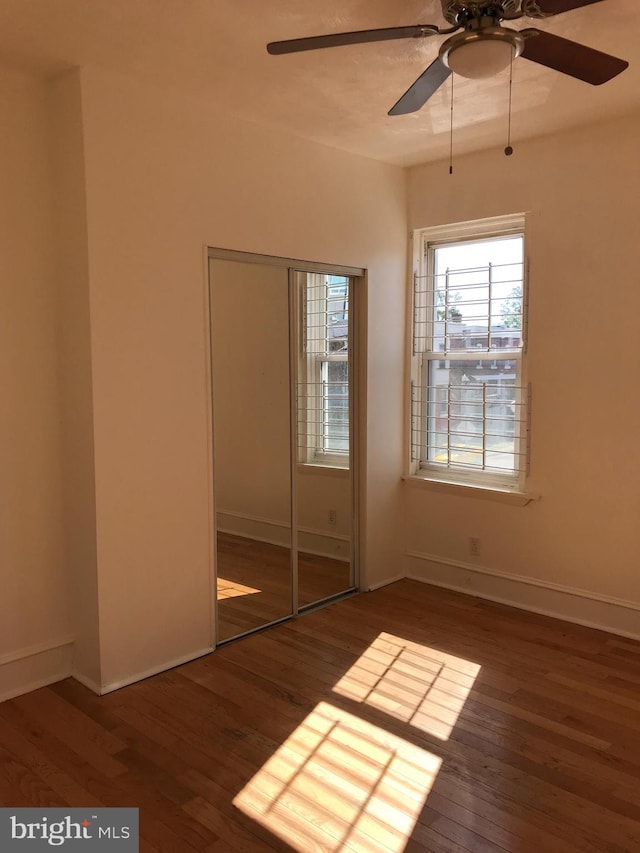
[
  {"x": 482, "y": 229},
  {"x": 606, "y": 613},
  {"x": 254, "y": 527},
  {"x": 426, "y": 241},
  {"x": 31, "y": 651},
  {"x": 385, "y": 582},
  {"x": 216, "y": 253},
  {"x": 318, "y": 468},
  {"x": 257, "y": 518},
  {"x": 140, "y": 676},
  {"x": 35, "y": 666},
  {"x": 270, "y": 531},
  {"x": 470, "y": 490},
  {"x": 341, "y": 537},
  {"x": 293, "y": 308},
  {"x": 211, "y": 527},
  {"x": 268, "y": 540},
  {"x": 320, "y": 543},
  {"x": 87, "y": 682}
]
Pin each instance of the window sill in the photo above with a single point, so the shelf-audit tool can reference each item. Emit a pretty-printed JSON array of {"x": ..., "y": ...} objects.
[
  {"x": 470, "y": 490},
  {"x": 311, "y": 468}
]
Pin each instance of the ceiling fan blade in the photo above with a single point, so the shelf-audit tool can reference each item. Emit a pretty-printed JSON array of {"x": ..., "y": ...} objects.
[
  {"x": 419, "y": 93},
  {"x": 360, "y": 37},
  {"x": 569, "y": 57},
  {"x": 555, "y": 7}
]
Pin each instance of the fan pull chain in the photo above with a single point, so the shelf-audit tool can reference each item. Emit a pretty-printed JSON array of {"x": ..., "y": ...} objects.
[
  {"x": 451, "y": 132},
  {"x": 509, "y": 150}
]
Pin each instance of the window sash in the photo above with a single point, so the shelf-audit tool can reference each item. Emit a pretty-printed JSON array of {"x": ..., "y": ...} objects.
[
  {"x": 334, "y": 427},
  {"x": 479, "y": 428}
]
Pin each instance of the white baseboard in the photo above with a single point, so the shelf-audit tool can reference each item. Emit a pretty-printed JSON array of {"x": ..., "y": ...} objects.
[
  {"x": 385, "y": 582},
  {"x": 562, "y": 602},
  {"x": 101, "y": 689},
  {"x": 34, "y": 667},
  {"x": 93, "y": 686},
  {"x": 318, "y": 542},
  {"x": 253, "y": 527},
  {"x": 323, "y": 544}
]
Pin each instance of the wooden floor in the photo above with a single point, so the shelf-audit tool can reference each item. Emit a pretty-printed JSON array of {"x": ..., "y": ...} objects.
[
  {"x": 409, "y": 718},
  {"x": 254, "y": 582}
]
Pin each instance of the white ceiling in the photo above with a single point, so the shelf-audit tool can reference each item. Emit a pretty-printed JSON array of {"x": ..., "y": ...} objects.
[{"x": 338, "y": 96}]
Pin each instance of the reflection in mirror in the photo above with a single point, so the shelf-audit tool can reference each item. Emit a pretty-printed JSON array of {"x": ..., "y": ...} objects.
[
  {"x": 323, "y": 471},
  {"x": 252, "y": 444}
]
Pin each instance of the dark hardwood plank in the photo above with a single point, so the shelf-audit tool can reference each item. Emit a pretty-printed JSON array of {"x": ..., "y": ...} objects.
[{"x": 410, "y": 719}]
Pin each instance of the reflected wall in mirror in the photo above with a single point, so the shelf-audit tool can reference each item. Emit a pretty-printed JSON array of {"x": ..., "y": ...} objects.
[
  {"x": 324, "y": 407},
  {"x": 252, "y": 444}
]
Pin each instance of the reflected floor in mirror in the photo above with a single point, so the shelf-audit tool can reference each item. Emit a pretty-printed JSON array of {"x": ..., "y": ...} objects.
[{"x": 254, "y": 582}]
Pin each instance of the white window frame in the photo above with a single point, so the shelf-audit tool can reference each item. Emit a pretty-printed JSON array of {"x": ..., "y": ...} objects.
[
  {"x": 314, "y": 359},
  {"x": 419, "y": 466}
]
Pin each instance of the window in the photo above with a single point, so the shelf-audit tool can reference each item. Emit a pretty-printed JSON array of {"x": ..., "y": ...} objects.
[
  {"x": 323, "y": 387},
  {"x": 468, "y": 399}
]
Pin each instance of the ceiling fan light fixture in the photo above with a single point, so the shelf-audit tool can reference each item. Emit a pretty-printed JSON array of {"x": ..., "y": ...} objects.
[{"x": 483, "y": 53}]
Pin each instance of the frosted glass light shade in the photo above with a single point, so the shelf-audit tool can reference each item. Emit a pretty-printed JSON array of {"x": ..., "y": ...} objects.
[{"x": 481, "y": 58}]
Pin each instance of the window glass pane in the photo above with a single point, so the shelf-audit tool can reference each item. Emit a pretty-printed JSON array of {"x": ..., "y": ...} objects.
[
  {"x": 337, "y": 317},
  {"x": 335, "y": 406},
  {"x": 472, "y": 414},
  {"x": 477, "y": 292}
]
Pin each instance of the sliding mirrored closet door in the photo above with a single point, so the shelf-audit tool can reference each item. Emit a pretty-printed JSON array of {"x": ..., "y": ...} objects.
[
  {"x": 284, "y": 401},
  {"x": 252, "y": 444}
]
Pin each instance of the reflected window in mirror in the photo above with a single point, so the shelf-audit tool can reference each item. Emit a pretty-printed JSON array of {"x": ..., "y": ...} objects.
[{"x": 323, "y": 371}]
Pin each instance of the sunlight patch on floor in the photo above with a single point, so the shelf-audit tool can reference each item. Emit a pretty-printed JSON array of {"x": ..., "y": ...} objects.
[
  {"x": 411, "y": 682},
  {"x": 233, "y": 589},
  {"x": 340, "y": 783}
]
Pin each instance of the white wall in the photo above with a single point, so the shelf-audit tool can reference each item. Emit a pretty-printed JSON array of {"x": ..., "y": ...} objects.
[
  {"x": 581, "y": 193},
  {"x": 35, "y": 622},
  {"x": 165, "y": 177}
]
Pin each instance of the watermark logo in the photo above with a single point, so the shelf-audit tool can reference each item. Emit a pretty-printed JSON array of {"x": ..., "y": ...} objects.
[{"x": 103, "y": 830}]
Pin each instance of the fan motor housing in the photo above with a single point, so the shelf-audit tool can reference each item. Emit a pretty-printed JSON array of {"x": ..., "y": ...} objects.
[{"x": 458, "y": 12}]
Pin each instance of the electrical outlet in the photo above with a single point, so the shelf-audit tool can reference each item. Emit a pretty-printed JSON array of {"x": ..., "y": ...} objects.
[
  {"x": 474, "y": 546},
  {"x": 333, "y": 517}
]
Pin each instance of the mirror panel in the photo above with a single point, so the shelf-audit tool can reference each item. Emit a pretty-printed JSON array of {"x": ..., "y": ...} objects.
[
  {"x": 252, "y": 444},
  {"x": 323, "y": 492}
]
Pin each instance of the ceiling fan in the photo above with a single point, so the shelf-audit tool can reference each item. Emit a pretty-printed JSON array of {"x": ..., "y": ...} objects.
[{"x": 484, "y": 46}]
